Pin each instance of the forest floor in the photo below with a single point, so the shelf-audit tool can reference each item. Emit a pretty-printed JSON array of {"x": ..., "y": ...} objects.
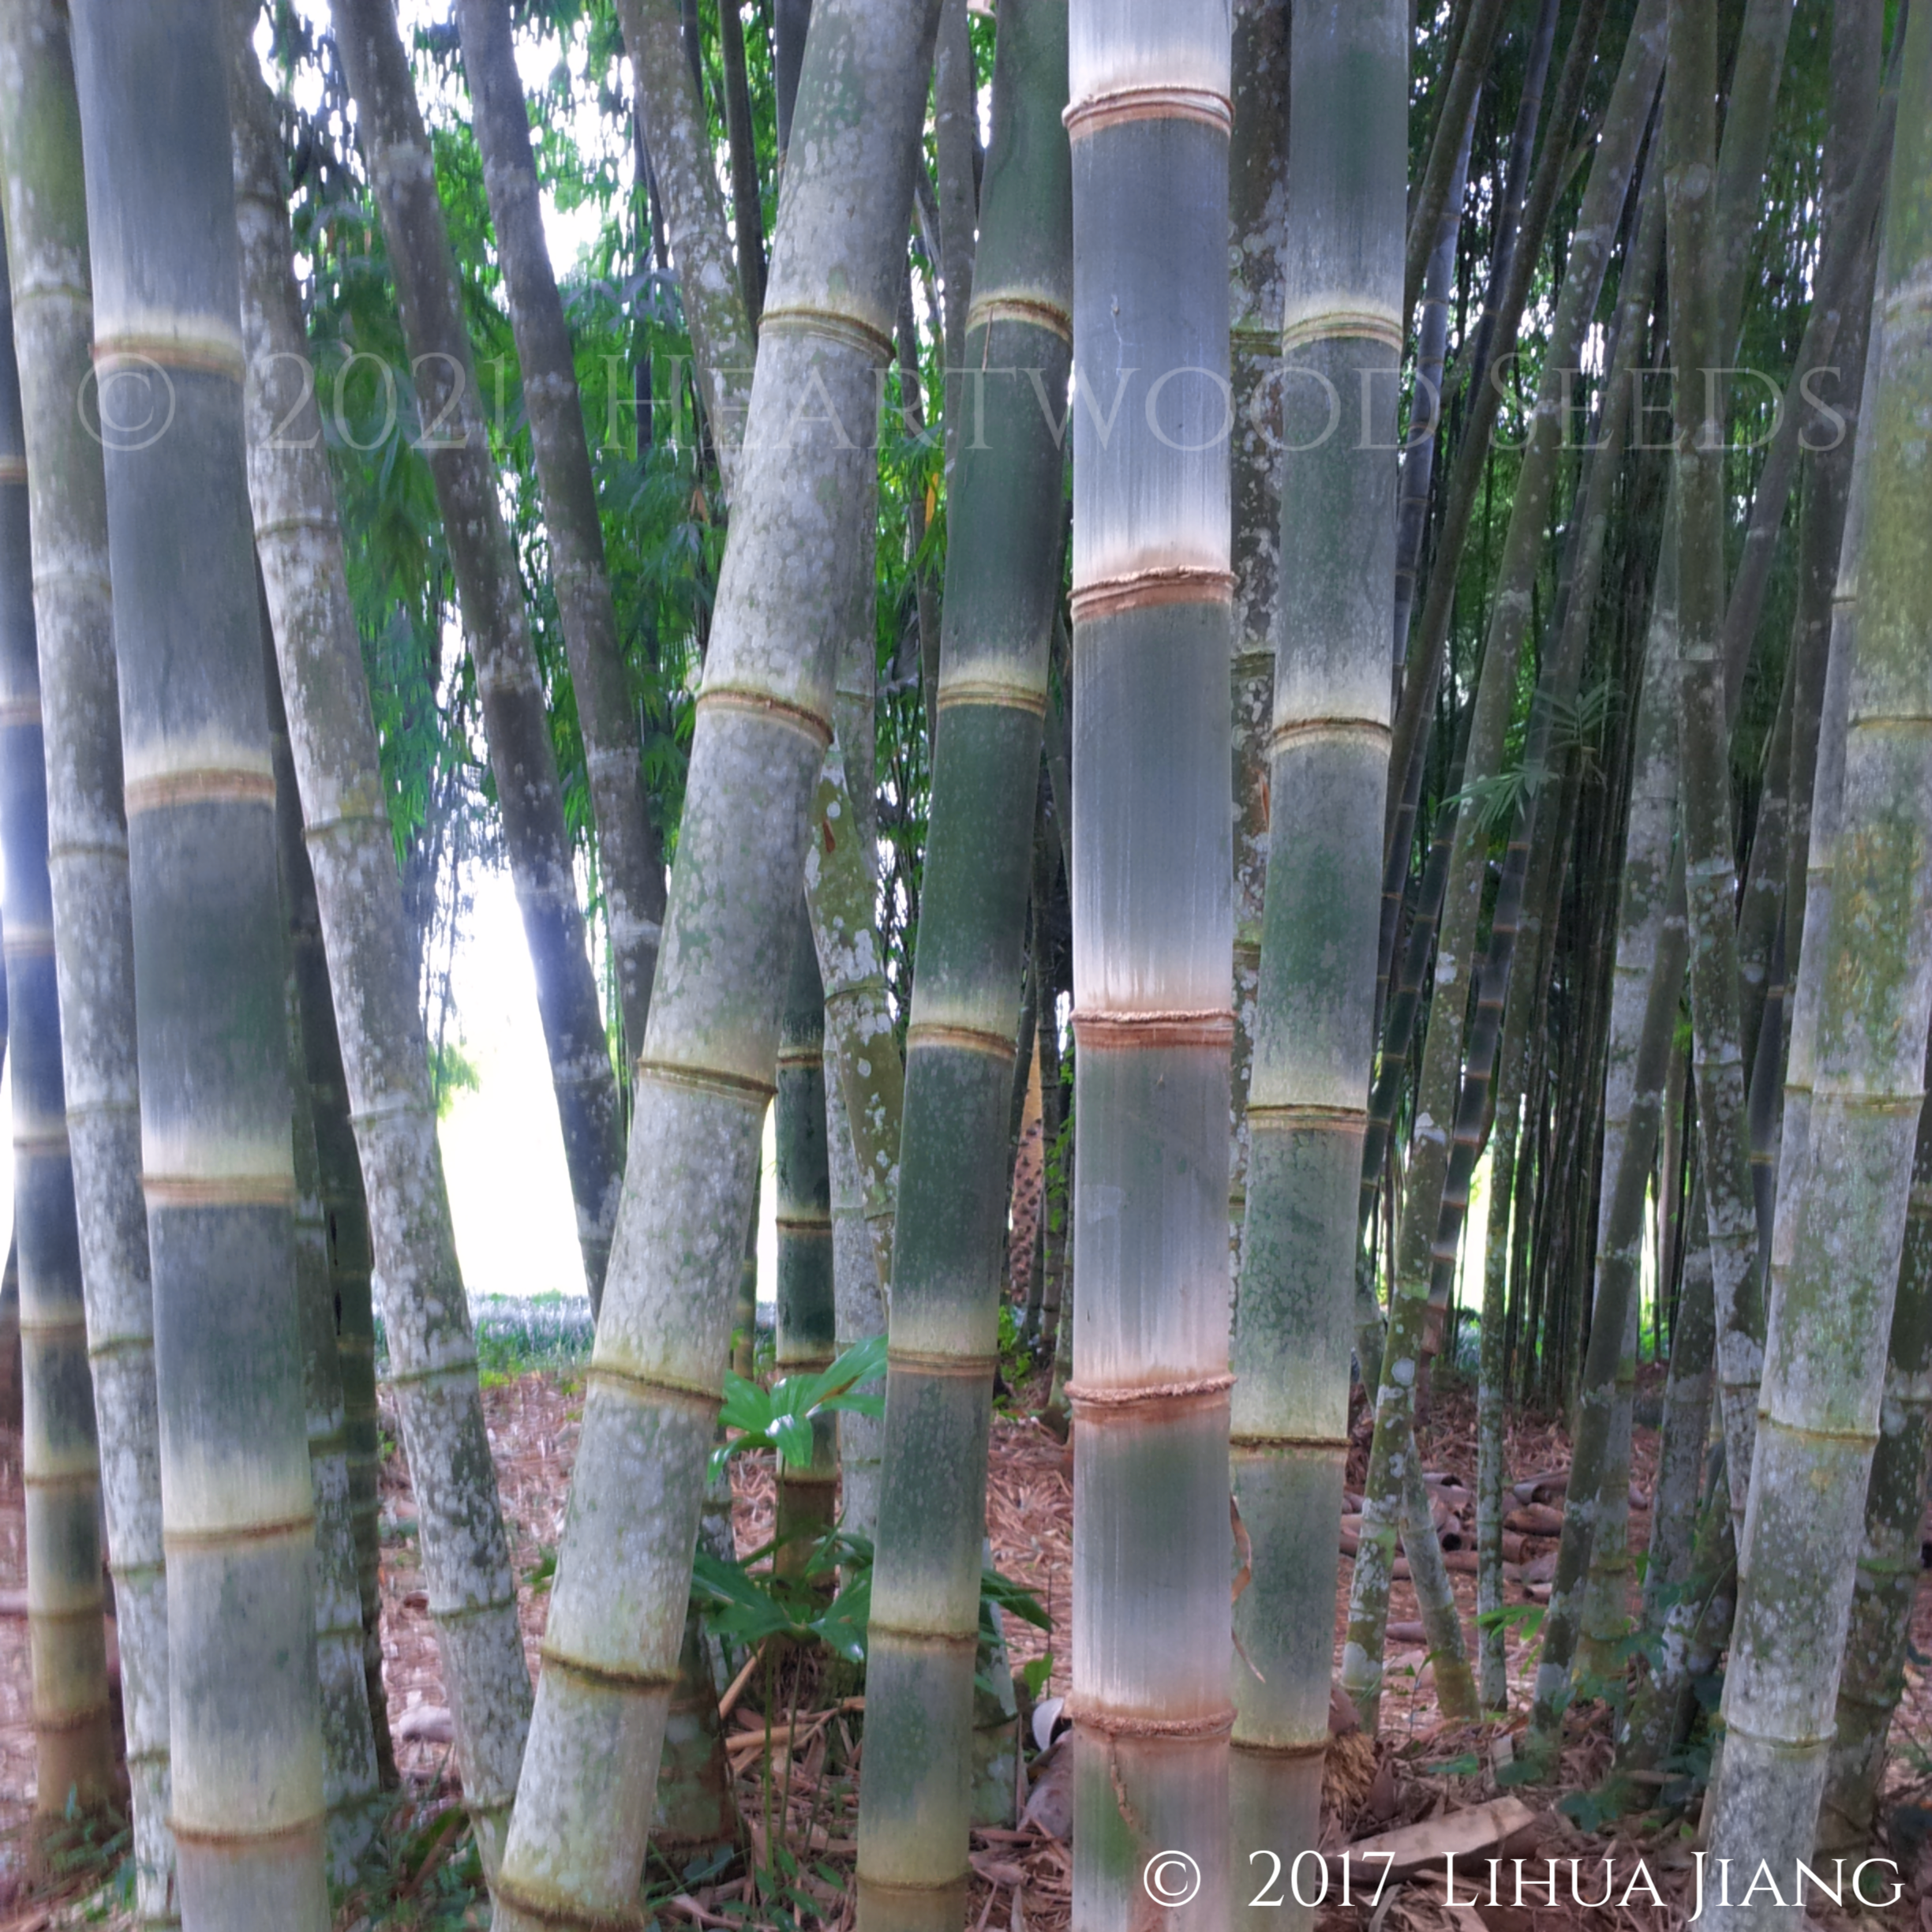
[{"x": 1418, "y": 1769}]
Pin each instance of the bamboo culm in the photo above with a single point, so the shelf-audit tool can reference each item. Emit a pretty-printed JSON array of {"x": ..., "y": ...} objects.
[
  {"x": 617, "y": 1616},
  {"x": 1832, "y": 1296},
  {"x": 60, "y": 1453},
  {"x": 496, "y": 625},
  {"x": 1003, "y": 579},
  {"x": 210, "y": 978},
  {"x": 395, "y": 1220},
  {"x": 1328, "y": 778},
  {"x": 629, "y": 855},
  {"x": 1153, "y": 935},
  {"x": 52, "y": 334}
]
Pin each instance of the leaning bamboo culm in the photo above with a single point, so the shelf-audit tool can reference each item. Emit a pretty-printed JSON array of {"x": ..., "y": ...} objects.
[
  {"x": 1328, "y": 776},
  {"x": 238, "y": 1509},
  {"x": 87, "y": 857},
  {"x": 1152, "y": 946},
  {"x": 1833, "y": 1301},
  {"x": 60, "y": 1458},
  {"x": 1002, "y": 570},
  {"x": 576, "y": 1845},
  {"x": 629, "y": 859},
  {"x": 383, "y": 1072},
  {"x": 489, "y": 592},
  {"x": 349, "y": 1772}
]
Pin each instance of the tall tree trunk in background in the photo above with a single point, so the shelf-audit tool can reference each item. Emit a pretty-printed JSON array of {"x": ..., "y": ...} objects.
[
  {"x": 807, "y": 1498},
  {"x": 495, "y": 626},
  {"x": 1625, "y": 118},
  {"x": 723, "y": 345},
  {"x": 349, "y": 1773},
  {"x": 1153, "y": 935},
  {"x": 576, "y": 1844},
  {"x": 52, "y": 336},
  {"x": 1003, "y": 583},
  {"x": 209, "y": 975},
  {"x": 628, "y": 851},
  {"x": 1257, "y": 196},
  {"x": 1832, "y": 1296},
  {"x": 791, "y": 19},
  {"x": 1328, "y": 777},
  {"x": 1872, "y": 1676},
  {"x": 60, "y": 1455},
  {"x": 382, "y": 1084},
  {"x": 747, "y": 206},
  {"x": 955, "y": 116}
]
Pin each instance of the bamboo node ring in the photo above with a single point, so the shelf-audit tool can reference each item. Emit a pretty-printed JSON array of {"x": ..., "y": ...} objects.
[
  {"x": 714, "y": 1080},
  {"x": 798, "y": 717},
  {"x": 990, "y": 693},
  {"x": 832, "y": 325},
  {"x": 1092, "y": 1716},
  {"x": 206, "y": 355},
  {"x": 1332, "y": 324},
  {"x": 935, "y": 1362},
  {"x": 1203, "y": 1389},
  {"x": 236, "y": 1190},
  {"x": 1033, "y": 310},
  {"x": 205, "y": 785},
  {"x": 961, "y": 1039},
  {"x": 1118, "y": 105},
  {"x": 1214, "y": 1027},
  {"x": 1165, "y": 583}
]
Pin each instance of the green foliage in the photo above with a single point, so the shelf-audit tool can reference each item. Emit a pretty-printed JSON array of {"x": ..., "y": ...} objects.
[{"x": 781, "y": 1416}]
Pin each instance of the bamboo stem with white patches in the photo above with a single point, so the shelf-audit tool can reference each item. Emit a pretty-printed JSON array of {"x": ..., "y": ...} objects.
[
  {"x": 799, "y": 535},
  {"x": 52, "y": 336},
  {"x": 209, "y": 976}
]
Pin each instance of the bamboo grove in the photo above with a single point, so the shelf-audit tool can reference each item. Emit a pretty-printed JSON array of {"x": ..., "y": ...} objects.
[{"x": 1263, "y": 667}]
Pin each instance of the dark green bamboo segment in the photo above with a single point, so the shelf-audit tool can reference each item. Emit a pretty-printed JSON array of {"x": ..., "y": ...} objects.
[
  {"x": 52, "y": 335},
  {"x": 807, "y": 1337},
  {"x": 1257, "y": 189},
  {"x": 802, "y": 530},
  {"x": 1328, "y": 766},
  {"x": 60, "y": 1455},
  {"x": 1153, "y": 938},
  {"x": 1838, "y": 1268},
  {"x": 747, "y": 213},
  {"x": 209, "y": 976},
  {"x": 496, "y": 625},
  {"x": 1002, "y": 585},
  {"x": 628, "y": 851},
  {"x": 399, "y": 1225},
  {"x": 350, "y": 1780},
  {"x": 1871, "y": 1677}
]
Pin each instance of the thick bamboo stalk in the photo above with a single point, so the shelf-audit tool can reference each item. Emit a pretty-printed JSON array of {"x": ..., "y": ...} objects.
[
  {"x": 209, "y": 975},
  {"x": 807, "y": 1321},
  {"x": 1833, "y": 1295},
  {"x": 400, "y": 1228},
  {"x": 495, "y": 624},
  {"x": 1153, "y": 933},
  {"x": 723, "y": 345},
  {"x": 576, "y": 1845},
  {"x": 60, "y": 1453},
  {"x": 1872, "y": 1675},
  {"x": 349, "y": 1774},
  {"x": 1328, "y": 777},
  {"x": 52, "y": 336},
  {"x": 1002, "y": 587},
  {"x": 1625, "y": 118},
  {"x": 629, "y": 854},
  {"x": 1492, "y": 1400},
  {"x": 956, "y": 127},
  {"x": 1257, "y": 189}
]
